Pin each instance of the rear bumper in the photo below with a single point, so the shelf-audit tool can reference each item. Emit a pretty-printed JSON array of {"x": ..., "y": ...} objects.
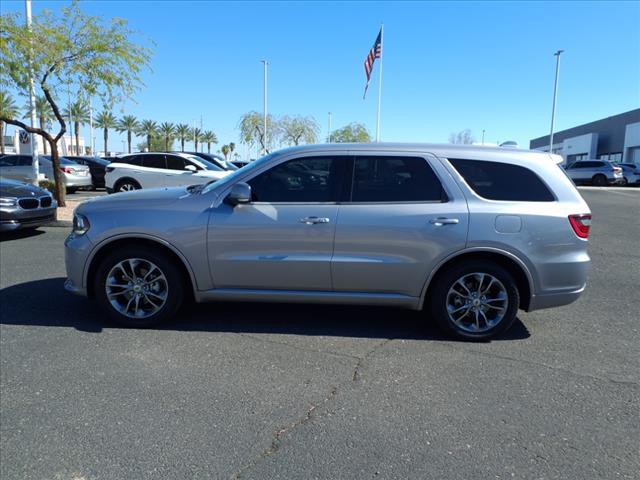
[
  {"x": 77, "y": 181},
  {"x": 550, "y": 300}
]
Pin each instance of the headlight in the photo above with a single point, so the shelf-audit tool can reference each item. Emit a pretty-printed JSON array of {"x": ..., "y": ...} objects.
[
  {"x": 8, "y": 202},
  {"x": 80, "y": 224}
]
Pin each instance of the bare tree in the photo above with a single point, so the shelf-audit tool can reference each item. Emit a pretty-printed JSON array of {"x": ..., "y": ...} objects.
[{"x": 463, "y": 137}]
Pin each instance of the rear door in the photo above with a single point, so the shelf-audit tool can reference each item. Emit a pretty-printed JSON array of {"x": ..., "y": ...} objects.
[
  {"x": 155, "y": 173},
  {"x": 401, "y": 219}
]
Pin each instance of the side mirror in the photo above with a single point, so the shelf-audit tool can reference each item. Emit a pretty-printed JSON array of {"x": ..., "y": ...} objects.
[
  {"x": 190, "y": 168},
  {"x": 240, "y": 193}
]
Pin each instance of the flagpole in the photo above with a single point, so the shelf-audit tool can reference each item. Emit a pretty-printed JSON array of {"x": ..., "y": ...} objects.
[{"x": 380, "y": 82}]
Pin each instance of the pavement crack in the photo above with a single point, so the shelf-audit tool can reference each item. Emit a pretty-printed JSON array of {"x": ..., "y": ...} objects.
[
  {"x": 366, "y": 356},
  {"x": 284, "y": 431},
  {"x": 296, "y": 347}
]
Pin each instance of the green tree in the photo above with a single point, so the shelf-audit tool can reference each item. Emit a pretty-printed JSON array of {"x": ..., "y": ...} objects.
[
  {"x": 78, "y": 113},
  {"x": 352, "y": 133},
  {"x": 129, "y": 124},
  {"x": 84, "y": 52},
  {"x": 252, "y": 130},
  {"x": 105, "y": 120},
  {"x": 8, "y": 109},
  {"x": 225, "y": 151},
  {"x": 197, "y": 135},
  {"x": 232, "y": 148},
  {"x": 44, "y": 113},
  {"x": 209, "y": 137},
  {"x": 167, "y": 131},
  {"x": 149, "y": 129},
  {"x": 299, "y": 129},
  {"x": 183, "y": 132},
  {"x": 157, "y": 145}
]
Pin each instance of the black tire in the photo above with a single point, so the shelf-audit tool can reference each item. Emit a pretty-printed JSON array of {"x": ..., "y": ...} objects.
[
  {"x": 439, "y": 298},
  {"x": 126, "y": 185},
  {"x": 599, "y": 180},
  {"x": 174, "y": 286},
  {"x": 72, "y": 189},
  {"x": 624, "y": 182}
]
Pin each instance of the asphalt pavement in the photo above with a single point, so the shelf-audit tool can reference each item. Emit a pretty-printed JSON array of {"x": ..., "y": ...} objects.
[{"x": 304, "y": 392}]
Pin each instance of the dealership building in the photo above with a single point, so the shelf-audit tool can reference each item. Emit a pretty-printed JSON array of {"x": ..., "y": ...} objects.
[{"x": 614, "y": 138}]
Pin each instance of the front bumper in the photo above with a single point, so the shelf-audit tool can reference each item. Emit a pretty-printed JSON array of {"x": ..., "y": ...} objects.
[
  {"x": 77, "y": 249},
  {"x": 14, "y": 218}
]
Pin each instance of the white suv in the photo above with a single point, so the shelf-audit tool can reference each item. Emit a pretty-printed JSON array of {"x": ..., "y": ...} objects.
[{"x": 157, "y": 170}]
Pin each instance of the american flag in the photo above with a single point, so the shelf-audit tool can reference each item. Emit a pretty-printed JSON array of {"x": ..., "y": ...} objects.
[{"x": 375, "y": 52}]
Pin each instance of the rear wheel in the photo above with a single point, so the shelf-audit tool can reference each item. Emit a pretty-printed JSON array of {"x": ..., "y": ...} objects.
[
  {"x": 599, "y": 180},
  {"x": 475, "y": 301},
  {"x": 127, "y": 185},
  {"x": 138, "y": 287}
]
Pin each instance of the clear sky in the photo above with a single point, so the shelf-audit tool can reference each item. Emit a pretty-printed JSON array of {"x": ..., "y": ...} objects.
[{"x": 447, "y": 65}]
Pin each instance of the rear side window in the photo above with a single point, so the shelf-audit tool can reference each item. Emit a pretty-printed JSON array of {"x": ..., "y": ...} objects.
[
  {"x": 130, "y": 159},
  {"x": 24, "y": 161},
  {"x": 395, "y": 179},
  {"x": 154, "y": 161},
  {"x": 9, "y": 161},
  {"x": 503, "y": 181}
]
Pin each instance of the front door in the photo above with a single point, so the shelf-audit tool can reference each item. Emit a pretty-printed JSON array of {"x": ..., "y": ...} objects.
[
  {"x": 283, "y": 239},
  {"x": 400, "y": 221}
]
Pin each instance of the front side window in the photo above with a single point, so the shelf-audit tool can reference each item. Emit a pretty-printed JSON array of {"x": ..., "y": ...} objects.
[
  {"x": 175, "y": 162},
  {"x": 24, "y": 161},
  {"x": 502, "y": 181},
  {"x": 395, "y": 179},
  {"x": 303, "y": 180}
]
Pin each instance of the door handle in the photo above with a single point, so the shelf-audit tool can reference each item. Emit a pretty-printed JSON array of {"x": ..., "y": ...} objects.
[
  {"x": 440, "y": 221},
  {"x": 314, "y": 220}
]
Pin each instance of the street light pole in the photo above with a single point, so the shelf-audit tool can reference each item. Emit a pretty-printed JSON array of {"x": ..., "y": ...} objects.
[
  {"x": 265, "y": 63},
  {"x": 32, "y": 105},
  {"x": 482, "y": 136},
  {"x": 555, "y": 92},
  {"x": 329, "y": 136}
]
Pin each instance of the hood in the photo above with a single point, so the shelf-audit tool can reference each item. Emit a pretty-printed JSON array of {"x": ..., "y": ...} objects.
[
  {"x": 11, "y": 188},
  {"x": 150, "y": 198}
]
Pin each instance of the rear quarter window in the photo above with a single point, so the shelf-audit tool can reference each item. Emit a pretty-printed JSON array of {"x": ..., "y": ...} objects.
[{"x": 502, "y": 181}]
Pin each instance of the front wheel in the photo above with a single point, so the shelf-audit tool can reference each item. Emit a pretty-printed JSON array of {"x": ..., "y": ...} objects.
[
  {"x": 138, "y": 287},
  {"x": 475, "y": 301}
]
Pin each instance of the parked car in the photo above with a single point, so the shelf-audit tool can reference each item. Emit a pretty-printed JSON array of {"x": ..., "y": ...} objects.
[
  {"x": 156, "y": 170},
  {"x": 595, "y": 172},
  {"x": 97, "y": 168},
  {"x": 241, "y": 163},
  {"x": 630, "y": 173},
  {"x": 469, "y": 234},
  {"x": 215, "y": 159},
  {"x": 19, "y": 167},
  {"x": 23, "y": 205}
]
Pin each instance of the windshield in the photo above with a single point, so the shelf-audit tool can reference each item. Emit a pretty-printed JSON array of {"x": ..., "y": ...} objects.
[
  {"x": 231, "y": 178},
  {"x": 208, "y": 165}
]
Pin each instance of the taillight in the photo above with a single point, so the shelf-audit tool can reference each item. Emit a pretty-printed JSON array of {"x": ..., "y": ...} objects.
[
  {"x": 109, "y": 169},
  {"x": 617, "y": 169},
  {"x": 67, "y": 170},
  {"x": 581, "y": 224}
]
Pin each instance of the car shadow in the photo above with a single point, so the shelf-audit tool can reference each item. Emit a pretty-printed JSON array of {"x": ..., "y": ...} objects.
[
  {"x": 20, "y": 234},
  {"x": 45, "y": 303}
]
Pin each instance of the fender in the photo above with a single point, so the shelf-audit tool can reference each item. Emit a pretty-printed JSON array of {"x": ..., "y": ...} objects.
[{"x": 454, "y": 255}]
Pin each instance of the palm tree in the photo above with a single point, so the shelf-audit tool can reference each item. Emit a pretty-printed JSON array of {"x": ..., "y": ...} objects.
[
  {"x": 168, "y": 131},
  {"x": 232, "y": 148},
  {"x": 209, "y": 137},
  {"x": 225, "y": 151},
  {"x": 128, "y": 124},
  {"x": 7, "y": 109},
  {"x": 183, "y": 132},
  {"x": 44, "y": 112},
  {"x": 148, "y": 128},
  {"x": 197, "y": 135},
  {"x": 105, "y": 120},
  {"x": 78, "y": 111}
]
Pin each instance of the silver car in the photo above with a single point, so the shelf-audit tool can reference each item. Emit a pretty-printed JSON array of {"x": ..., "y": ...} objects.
[
  {"x": 467, "y": 234},
  {"x": 19, "y": 167},
  {"x": 595, "y": 172}
]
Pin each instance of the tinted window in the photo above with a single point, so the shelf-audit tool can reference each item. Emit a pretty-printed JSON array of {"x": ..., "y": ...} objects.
[
  {"x": 310, "y": 179},
  {"x": 503, "y": 181},
  {"x": 175, "y": 162},
  {"x": 9, "y": 161},
  {"x": 130, "y": 159},
  {"x": 394, "y": 179},
  {"x": 154, "y": 161}
]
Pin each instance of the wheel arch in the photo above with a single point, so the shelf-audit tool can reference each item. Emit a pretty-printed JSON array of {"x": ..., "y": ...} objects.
[
  {"x": 124, "y": 179},
  {"x": 148, "y": 241},
  {"x": 510, "y": 262}
]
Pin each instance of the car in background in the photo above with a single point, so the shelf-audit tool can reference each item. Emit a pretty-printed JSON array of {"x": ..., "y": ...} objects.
[
  {"x": 599, "y": 173},
  {"x": 19, "y": 167},
  {"x": 97, "y": 168},
  {"x": 631, "y": 173},
  {"x": 469, "y": 235},
  {"x": 157, "y": 170},
  {"x": 241, "y": 163},
  {"x": 23, "y": 205},
  {"x": 215, "y": 159}
]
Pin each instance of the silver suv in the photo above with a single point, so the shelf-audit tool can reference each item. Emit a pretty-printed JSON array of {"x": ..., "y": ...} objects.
[
  {"x": 595, "y": 172},
  {"x": 467, "y": 234}
]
